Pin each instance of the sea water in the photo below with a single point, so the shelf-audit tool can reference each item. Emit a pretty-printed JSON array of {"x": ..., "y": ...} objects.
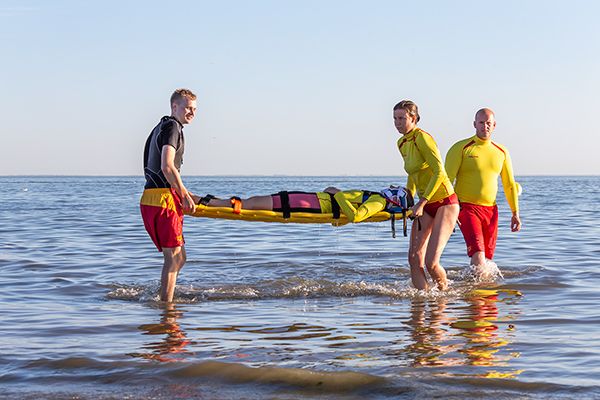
[{"x": 286, "y": 311}]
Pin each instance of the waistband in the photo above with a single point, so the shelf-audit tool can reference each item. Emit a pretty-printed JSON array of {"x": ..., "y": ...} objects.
[{"x": 161, "y": 197}]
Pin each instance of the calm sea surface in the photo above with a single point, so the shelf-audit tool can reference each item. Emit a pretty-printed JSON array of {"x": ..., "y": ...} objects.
[{"x": 284, "y": 311}]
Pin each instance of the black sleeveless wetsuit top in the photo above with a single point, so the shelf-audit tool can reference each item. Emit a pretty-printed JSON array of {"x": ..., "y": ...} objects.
[{"x": 169, "y": 131}]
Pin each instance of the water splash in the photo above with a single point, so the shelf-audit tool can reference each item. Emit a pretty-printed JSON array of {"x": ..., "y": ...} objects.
[
  {"x": 289, "y": 288},
  {"x": 487, "y": 273}
]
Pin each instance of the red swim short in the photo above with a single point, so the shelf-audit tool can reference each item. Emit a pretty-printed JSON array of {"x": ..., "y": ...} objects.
[
  {"x": 163, "y": 217},
  {"x": 432, "y": 208},
  {"x": 479, "y": 226}
]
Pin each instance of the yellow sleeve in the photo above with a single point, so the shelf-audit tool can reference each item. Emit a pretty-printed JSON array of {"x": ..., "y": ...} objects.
[
  {"x": 345, "y": 205},
  {"x": 430, "y": 152},
  {"x": 511, "y": 190},
  {"x": 367, "y": 209},
  {"x": 411, "y": 186},
  {"x": 453, "y": 161}
]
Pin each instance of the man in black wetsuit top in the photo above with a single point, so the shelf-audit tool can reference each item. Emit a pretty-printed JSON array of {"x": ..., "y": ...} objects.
[{"x": 165, "y": 197}]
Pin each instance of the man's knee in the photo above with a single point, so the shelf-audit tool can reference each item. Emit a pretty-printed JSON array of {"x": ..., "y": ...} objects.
[
  {"x": 179, "y": 256},
  {"x": 175, "y": 255}
]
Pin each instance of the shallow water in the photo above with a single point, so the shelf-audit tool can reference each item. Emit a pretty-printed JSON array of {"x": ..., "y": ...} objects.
[{"x": 290, "y": 311}]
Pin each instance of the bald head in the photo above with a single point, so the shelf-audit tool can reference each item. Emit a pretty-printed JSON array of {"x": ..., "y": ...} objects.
[
  {"x": 484, "y": 112},
  {"x": 485, "y": 123}
]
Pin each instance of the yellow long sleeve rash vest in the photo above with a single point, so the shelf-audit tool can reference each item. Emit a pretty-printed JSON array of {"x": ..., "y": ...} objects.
[
  {"x": 475, "y": 164},
  {"x": 423, "y": 164}
]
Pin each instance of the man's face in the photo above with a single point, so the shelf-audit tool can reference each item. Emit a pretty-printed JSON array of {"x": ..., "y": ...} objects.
[
  {"x": 184, "y": 110},
  {"x": 484, "y": 124}
]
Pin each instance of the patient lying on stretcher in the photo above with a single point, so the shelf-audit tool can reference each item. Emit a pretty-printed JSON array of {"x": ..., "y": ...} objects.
[{"x": 356, "y": 205}]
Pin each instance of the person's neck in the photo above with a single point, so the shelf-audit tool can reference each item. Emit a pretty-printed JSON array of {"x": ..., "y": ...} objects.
[
  {"x": 414, "y": 128},
  {"x": 177, "y": 119}
]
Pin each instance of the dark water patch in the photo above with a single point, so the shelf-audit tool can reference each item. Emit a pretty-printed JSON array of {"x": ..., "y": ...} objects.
[
  {"x": 268, "y": 379},
  {"x": 238, "y": 373},
  {"x": 508, "y": 388}
]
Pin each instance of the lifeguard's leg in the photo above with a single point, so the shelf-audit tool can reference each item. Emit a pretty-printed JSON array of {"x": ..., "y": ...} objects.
[
  {"x": 442, "y": 227},
  {"x": 174, "y": 259},
  {"x": 416, "y": 250},
  {"x": 478, "y": 259}
]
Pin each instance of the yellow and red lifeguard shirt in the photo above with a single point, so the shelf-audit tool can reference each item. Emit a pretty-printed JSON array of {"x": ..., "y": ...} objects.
[
  {"x": 423, "y": 164},
  {"x": 475, "y": 165}
]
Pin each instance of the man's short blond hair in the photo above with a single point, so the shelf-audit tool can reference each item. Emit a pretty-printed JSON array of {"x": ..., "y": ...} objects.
[{"x": 181, "y": 94}]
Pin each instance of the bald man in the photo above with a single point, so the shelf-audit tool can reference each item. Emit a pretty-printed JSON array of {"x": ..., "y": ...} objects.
[{"x": 473, "y": 166}]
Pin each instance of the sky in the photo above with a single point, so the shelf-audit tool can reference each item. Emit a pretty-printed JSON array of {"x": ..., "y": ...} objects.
[{"x": 295, "y": 88}]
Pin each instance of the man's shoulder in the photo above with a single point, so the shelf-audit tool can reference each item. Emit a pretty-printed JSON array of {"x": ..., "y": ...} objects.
[
  {"x": 461, "y": 144},
  {"x": 168, "y": 121},
  {"x": 500, "y": 147},
  {"x": 169, "y": 125}
]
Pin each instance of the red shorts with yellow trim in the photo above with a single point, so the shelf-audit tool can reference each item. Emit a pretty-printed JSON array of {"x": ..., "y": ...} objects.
[
  {"x": 163, "y": 217},
  {"x": 432, "y": 208},
  {"x": 479, "y": 226}
]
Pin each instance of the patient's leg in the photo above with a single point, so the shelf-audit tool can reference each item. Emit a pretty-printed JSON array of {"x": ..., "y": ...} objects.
[{"x": 251, "y": 203}]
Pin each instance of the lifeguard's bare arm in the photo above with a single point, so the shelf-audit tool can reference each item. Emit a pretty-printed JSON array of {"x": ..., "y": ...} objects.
[{"x": 167, "y": 164}]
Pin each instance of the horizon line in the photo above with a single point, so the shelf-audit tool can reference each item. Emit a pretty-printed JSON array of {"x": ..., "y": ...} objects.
[{"x": 260, "y": 175}]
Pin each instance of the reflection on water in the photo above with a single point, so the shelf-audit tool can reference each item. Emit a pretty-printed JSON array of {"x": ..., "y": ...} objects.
[
  {"x": 479, "y": 329},
  {"x": 459, "y": 335},
  {"x": 429, "y": 324},
  {"x": 484, "y": 339},
  {"x": 173, "y": 345},
  {"x": 468, "y": 332}
]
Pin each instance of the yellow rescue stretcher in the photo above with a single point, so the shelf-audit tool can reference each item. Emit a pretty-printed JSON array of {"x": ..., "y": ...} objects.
[
  {"x": 295, "y": 217},
  {"x": 342, "y": 208}
]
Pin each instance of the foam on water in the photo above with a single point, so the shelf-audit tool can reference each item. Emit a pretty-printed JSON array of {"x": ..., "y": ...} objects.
[
  {"x": 487, "y": 273},
  {"x": 299, "y": 288}
]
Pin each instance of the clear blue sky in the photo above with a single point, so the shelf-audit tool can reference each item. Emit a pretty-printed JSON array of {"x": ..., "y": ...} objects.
[{"x": 301, "y": 88}]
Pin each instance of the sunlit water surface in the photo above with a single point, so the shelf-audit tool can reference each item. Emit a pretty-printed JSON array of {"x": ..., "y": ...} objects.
[{"x": 290, "y": 311}]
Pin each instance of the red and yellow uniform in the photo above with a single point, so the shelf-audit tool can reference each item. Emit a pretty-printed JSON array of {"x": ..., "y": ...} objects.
[
  {"x": 475, "y": 165},
  {"x": 163, "y": 217},
  {"x": 423, "y": 164},
  {"x": 160, "y": 205}
]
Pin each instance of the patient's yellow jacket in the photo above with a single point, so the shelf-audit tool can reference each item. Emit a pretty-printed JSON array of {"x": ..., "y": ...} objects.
[
  {"x": 423, "y": 164},
  {"x": 475, "y": 165}
]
